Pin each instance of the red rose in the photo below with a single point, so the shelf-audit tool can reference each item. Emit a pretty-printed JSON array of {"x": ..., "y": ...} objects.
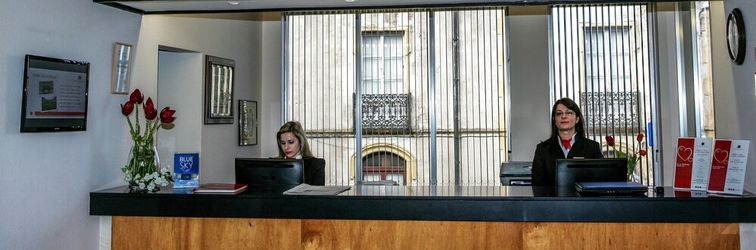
[
  {"x": 610, "y": 140},
  {"x": 166, "y": 115},
  {"x": 127, "y": 108},
  {"x": 149, "y": 110},
  {"x": 640, "y": 137},
  {"x": 642, "y": 152},
  {"x": 136, "y": 97}
]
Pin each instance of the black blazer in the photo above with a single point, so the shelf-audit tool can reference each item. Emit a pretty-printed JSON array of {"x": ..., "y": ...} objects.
[
  {"x": 547, "y": 153},
  {"x": 314, "y": 171}
]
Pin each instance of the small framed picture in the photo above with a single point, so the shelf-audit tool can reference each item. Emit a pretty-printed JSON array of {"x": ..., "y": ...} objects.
[
  {"x": 121, "y": 75},
  {"x": 219, "y": 90},
  {"x": 247, "y": 123}
]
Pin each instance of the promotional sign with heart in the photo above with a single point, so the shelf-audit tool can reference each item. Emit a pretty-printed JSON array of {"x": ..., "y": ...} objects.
[
  {"x": 693, "y": 163},
  {"x": 719, "y": 165},
  {"x": 728, "y": 166},
  {"x": 684, "y": 162},
  {"x": 702, "y": 154}
]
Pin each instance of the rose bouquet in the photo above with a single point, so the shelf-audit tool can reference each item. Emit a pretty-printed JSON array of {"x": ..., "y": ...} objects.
[
  {"x": 142, "y": 171},
  {"x": 632, "y": 158}
]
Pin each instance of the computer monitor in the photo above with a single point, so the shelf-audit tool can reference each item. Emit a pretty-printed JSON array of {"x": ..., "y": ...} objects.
[
  {"x": 269, "y": 172},
  {"x": 569, "y": 171}
]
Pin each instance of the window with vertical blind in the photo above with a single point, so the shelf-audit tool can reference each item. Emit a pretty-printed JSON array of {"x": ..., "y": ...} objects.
[
  {"x": 414, "y": 96},
  {"x": 601, "y": 58},
  {"x": 417, "y": 96}
]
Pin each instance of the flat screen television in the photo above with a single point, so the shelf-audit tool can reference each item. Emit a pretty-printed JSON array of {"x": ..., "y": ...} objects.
[
  {"x": 569, "y": 171},
  {"x": 55, "y": 95},
  {"x": 269, "y": 172}
]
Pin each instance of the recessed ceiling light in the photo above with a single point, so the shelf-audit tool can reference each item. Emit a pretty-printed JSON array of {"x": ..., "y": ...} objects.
[
  {"x": 349, "y": 1},
  {"x": 233, "y": 3}
]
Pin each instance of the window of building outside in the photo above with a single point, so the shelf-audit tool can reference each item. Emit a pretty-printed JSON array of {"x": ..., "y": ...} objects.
[
  {"x": 382, "y": 63},
  {"x": 428, "y": 83},
  {"x": 431, "y": 85},
  {"x": 601, "y": 59},
  {"x": 385, "y": 105},
  {"x": 382, "y": 166}
]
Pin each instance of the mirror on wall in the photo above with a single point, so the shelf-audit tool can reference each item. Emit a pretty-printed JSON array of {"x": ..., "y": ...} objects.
[{"x": 121, "y": 68}]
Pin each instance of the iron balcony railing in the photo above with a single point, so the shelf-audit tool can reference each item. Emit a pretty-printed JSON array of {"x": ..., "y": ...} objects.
[
  {"x": 386, "y": 113},
  {"x": 617, "y": 110}
]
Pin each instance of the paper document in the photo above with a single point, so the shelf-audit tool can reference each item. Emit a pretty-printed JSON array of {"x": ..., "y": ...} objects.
[{"x": 305, "y": 189}]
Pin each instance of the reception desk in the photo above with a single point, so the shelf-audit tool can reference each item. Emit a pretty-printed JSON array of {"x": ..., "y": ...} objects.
[{"x": 398, "y": 217}]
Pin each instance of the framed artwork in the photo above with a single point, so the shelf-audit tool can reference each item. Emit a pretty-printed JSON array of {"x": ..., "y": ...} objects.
[
  {"x": 219, "y": 90},
  {"x": 247, "y": 123},
  {"x": 121, "y": 75}
]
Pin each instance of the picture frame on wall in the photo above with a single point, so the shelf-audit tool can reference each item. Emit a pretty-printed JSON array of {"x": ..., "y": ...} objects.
[
  {"x": 219, "y": 90},
  {"x": 247, "y": 123},
  {"x": 121, "y": 72}
]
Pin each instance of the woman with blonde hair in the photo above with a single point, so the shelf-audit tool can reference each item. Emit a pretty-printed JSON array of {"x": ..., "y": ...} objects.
[{"x": 292, "y": 144}]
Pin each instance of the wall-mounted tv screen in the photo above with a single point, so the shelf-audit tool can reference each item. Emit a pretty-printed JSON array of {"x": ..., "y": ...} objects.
[{"x": 55, "y": 95}]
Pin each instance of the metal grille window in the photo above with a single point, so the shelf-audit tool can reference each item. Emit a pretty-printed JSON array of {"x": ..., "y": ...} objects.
[
  {"x": 383, "y": 166},
  {"x": 600, "y": 59},
  {"x": 385, "y": 105},
  {"x": 425, "y": 86}
]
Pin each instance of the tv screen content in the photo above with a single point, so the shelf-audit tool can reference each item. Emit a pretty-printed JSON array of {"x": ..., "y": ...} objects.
[{"x": 55, "y": 95}]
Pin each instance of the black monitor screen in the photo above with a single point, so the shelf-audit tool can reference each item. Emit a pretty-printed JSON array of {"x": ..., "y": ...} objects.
[
  {"x": 269, "y": 172},
  {"x": 55, "y": 95},
  {"x": 570, "y": 171}
]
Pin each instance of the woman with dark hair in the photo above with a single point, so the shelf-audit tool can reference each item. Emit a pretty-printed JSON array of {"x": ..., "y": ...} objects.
[
  {"x": 567, "y": 141},
  {"x": 292, "y": 144}
]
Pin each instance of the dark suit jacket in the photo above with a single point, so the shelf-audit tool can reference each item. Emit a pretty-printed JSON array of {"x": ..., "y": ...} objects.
[
  {"x": 547, "y": 153},
  {"x": 314, "y": 171}
]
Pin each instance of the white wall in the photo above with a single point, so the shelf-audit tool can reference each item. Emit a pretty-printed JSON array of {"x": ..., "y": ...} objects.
[
  {"x": 270, "y": 117},
  {"x": 529, "y": 80},
  {"x": 46, "y": 178},
  {"x": 734, "y": 100},
  {"x": 238, "y": 40},
  {"x": 178, "y": 88}
]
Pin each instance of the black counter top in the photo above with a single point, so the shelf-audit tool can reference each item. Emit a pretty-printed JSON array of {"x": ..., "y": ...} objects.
[{"x": 441, "y": 203}]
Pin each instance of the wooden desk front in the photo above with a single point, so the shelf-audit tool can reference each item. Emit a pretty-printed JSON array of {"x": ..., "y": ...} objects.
[{"x": 377, "y": 217}]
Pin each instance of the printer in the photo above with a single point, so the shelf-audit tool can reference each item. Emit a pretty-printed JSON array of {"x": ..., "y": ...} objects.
[{"x": 515, "y": 173}]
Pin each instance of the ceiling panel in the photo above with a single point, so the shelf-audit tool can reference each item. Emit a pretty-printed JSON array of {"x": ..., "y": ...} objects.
[{"x": 211, "y": 6}]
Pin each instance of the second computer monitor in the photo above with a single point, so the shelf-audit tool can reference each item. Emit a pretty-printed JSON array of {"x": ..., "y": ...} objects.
[{"x": 569, "y": 171}]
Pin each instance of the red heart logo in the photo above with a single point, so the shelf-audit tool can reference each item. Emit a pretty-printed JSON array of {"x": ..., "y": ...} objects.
[
  {"x": 685, "y": 154},
  {"x": 721, "y": 156}
]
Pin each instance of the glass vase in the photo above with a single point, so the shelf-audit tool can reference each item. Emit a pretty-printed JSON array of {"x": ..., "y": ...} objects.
[
  {"x": 143, "y": 161},
  {"x": 631, "y": 175}
]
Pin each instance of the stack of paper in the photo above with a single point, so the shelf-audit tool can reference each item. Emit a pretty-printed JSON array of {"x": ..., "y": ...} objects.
[
  {"x": 220, "y": 188},
  {"x": 305, "y": 189}
]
